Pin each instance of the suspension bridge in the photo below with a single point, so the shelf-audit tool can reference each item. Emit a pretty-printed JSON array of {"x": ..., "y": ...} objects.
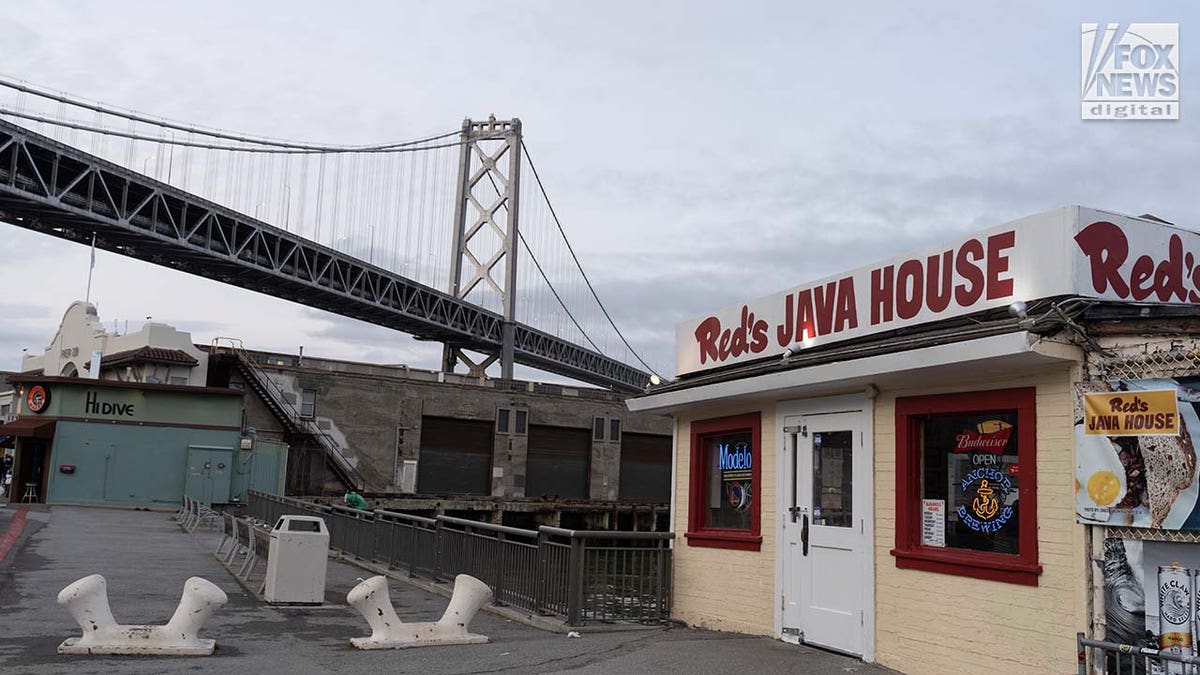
[{"x": 366, "y": 231}]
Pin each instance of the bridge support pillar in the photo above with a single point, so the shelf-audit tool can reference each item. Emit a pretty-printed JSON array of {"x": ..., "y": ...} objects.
[{"x": 484, "y": 260}]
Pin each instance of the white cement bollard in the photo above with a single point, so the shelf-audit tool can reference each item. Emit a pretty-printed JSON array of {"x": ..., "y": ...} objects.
[
  {"x": 372, "y": 600},
  {"x": 87, "y": 601}
]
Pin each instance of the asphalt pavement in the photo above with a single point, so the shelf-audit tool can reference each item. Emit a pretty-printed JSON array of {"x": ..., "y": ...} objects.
[{"x": 146, "y": 557}]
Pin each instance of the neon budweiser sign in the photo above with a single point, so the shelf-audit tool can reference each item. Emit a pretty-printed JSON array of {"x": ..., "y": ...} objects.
[
  {"x": 1068, "y": 251},
  {"x": 974, "y": 441}
]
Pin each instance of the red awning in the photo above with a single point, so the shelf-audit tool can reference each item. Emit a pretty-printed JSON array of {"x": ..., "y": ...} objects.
[{"x": 28, "y": 427}]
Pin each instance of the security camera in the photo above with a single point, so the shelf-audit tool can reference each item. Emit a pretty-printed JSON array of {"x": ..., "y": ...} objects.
[
  {"x": 1017, "y": 310},
  {"x": 788, "y": 353}
]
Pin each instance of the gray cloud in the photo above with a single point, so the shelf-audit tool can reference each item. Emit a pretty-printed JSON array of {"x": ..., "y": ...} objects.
[{"x": 695, "y": 154}]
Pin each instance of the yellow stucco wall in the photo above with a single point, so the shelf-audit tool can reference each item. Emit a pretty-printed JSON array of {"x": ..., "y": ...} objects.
[
  {"x": 937, "y": 623},
  {"x": 746, "y": 578},
  {"x": 925, "y": 622}
]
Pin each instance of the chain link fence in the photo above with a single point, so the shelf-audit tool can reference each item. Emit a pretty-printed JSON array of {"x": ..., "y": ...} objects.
[
  {"x": 1164, "y": 357},
  {"x": 1160, "y": 357}
]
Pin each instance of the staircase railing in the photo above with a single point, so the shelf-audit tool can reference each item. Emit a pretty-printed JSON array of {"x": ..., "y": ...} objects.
[{"x": 275, "y": 399}]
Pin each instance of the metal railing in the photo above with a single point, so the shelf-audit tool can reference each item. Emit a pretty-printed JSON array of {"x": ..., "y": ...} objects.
[
  {"x": 300, "y": 423},
  {"x": 581, "y": 575},
  {"x": 1111, "y": 658}
]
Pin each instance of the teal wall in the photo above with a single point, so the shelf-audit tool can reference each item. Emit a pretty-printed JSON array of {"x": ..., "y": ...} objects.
[
  {"x": 125, "y": 464},
  {"x": 265, "y": 469}
]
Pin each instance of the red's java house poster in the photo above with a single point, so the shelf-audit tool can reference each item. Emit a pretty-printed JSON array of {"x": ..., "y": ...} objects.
[{"x": 1135, "y": 454}]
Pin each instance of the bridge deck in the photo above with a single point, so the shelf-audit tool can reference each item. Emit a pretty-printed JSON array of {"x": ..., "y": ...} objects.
[{"x": 50, "y": 187}]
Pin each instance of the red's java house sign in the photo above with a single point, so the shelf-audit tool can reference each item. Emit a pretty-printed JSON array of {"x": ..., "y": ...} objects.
[{"x": 1069, "y": 251}]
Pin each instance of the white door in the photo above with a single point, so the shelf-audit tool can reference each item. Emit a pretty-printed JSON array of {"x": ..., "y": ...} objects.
[{"x": 826, "y": 565}]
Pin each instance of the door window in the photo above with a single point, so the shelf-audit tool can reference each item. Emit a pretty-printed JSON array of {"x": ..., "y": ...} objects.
[{"x": 833, "y": 478}]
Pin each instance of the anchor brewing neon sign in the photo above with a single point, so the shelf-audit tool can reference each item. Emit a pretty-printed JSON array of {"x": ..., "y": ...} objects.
[{"x": 988, "y": 490}]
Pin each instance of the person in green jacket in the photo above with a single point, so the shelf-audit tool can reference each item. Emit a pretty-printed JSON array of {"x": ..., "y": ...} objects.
[{"x": 356, "y": 501}]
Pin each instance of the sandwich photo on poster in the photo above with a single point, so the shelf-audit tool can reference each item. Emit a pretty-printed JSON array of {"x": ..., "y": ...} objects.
[{"x": 1135, "y": 461}]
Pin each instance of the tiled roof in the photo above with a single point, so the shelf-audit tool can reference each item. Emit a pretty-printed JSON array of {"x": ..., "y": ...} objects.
[{"x": 176, "y": 357}]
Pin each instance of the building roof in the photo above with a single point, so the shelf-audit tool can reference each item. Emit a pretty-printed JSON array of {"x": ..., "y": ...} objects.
[
  {"x": 25, "y": 378},
  {"x": 175, "y": 357}
]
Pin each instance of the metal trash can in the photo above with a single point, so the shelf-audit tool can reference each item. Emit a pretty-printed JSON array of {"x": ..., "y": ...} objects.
[{"x": 296, "y": 561}]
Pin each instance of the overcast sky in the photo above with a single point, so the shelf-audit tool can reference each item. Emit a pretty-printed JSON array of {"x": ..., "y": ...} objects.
[{"x": 697, "y": 153}]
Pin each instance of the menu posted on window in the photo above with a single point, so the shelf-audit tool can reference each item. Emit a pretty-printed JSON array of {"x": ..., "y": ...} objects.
[{"x": 933, "y": 522}]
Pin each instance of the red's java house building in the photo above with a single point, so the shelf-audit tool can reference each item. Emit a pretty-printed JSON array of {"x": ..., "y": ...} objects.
[{"x": 894, "y": 463}]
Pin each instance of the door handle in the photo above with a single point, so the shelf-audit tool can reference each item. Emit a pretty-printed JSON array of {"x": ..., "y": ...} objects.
[
  {"x": 796, "y": 511},
  {"x": 804, "y": 536}
]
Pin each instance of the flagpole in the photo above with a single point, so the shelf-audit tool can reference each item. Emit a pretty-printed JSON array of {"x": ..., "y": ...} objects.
[{"x": 91, "y": 266}]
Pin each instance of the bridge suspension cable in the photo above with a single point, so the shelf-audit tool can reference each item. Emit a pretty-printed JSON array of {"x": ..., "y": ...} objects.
[
  {"x": 194, "y": 129},
  {"x": 578, "y": 265},
  {"x": 407, "y": 146},
  {"x": 386, "y": 204}
]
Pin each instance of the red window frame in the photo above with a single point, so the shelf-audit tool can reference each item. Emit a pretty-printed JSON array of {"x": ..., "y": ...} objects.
[
  {"x": 714, "y": 537},
  {"x": 909, "y": 553}
]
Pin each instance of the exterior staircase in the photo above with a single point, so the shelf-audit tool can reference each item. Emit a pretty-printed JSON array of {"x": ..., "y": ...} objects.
[{"x": 287, "y": 414}]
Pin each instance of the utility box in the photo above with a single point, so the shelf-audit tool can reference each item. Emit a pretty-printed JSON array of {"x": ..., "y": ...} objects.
[{"x": 296, "y": 561}]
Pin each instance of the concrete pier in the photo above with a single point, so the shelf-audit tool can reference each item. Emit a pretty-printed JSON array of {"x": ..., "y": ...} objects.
[{"x": 143, "y": 556}]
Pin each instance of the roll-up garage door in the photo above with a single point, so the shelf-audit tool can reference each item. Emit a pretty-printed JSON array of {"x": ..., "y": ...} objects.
[
  {"x": 557, "y": 463},
  {"x": 645, "y": 468},
  {"x": 456, "y": 457}
]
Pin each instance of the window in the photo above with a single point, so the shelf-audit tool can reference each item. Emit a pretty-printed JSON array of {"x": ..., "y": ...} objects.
[
  {"x": 966, "y": 485},
  {"x": 724, "y": 485},
  {"x": 833, "y": 478},
  {"x": 610, "y": 424},
  {"x": 175, "y": 379},
  {"x": 308, "y": 401},
  {"x": 512, "y": 421}
]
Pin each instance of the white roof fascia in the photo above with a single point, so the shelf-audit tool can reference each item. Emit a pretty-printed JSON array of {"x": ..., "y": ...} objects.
[{"x": 1008, "y": 350}]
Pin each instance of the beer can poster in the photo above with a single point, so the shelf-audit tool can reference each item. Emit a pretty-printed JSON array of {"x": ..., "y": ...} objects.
[
  {"x": 1135, "y": 458},
  {"x": 1150, "y": 595}
]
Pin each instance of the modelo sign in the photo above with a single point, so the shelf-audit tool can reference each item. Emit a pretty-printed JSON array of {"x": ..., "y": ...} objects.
[{"x": 1068, "y": 251}]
